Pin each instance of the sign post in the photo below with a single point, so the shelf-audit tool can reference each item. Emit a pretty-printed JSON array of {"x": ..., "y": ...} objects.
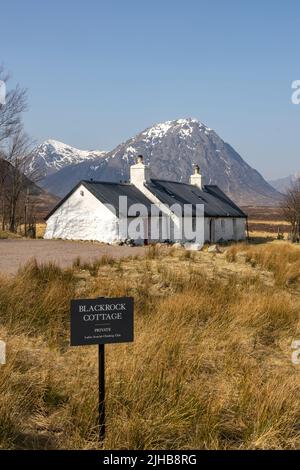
[
  {"x": 101, "y": 360},
  {"x": 101, "y": 321}
]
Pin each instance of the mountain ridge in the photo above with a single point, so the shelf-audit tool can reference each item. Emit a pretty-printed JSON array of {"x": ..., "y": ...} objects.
[
  {"x": 53, "y": 155},
  {"x": 172, "y": 147},
  {"x": 282, "y": 184}
]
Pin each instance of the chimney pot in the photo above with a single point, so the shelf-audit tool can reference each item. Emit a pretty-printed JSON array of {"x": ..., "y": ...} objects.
[
  {"x": 139, "y": 173},
  {"x": 196, "y": 178},
  {"x": 196, "y": 169}
]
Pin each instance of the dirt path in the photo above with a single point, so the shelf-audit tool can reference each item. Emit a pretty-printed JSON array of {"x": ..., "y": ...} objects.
[{"x": 15, "y": 253}]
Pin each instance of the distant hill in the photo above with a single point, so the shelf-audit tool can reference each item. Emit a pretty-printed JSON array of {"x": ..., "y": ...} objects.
[
  {"x": 172, "y": 148},
  {"x": 52, "y": 156},
  {"x": 42, "y": 200},
  {"x": 282, "y": 184}
]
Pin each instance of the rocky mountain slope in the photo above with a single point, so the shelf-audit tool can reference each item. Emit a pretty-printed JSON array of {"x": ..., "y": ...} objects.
[
  {"x": 51, "y": 156},
  {"x": 172, "y": 148}
]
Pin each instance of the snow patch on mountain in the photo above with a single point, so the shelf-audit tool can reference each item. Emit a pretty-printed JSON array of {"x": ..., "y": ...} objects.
[
  {"x": 171, "y": 148},
  {"x": 184, "y": 127},
  {"x": 52, "y": 155}
]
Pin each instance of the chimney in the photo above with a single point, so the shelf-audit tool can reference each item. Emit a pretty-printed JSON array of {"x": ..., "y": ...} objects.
[
  {"x": 196, "y": 178},
  {"x": 139, "y": 173}
]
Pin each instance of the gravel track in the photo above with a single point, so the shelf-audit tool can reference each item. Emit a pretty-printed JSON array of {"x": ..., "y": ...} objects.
[{"x": 15, "y": 253}]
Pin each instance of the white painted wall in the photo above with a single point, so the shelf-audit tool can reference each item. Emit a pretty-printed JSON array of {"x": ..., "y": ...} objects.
[
  {"x": 241, "y": 229},
  {"x": 227, "y": 228},
  {"x": 83, "y": 218}
]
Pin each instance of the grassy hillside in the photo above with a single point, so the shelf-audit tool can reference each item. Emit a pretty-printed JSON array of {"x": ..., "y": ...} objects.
[{"x": 210, "y": 367}]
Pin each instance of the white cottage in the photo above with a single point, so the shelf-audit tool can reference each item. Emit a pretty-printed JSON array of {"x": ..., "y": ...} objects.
[{"x": 92, "y": 210}]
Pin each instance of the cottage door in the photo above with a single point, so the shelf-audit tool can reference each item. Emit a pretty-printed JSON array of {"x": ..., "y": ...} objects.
[
  {"x": 234, "y": 229},
  {"x": 146, "y": 231},
  {"x": 212, "y": 228}
]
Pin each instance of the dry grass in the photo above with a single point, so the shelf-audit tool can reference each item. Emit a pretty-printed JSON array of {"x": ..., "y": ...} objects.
[
  {"x": 265, "y": 222},
  {"x": 40, "y": 230},
  {"x": 210, "y": 366},
  {"x": 5, "y": 234},
  {"x": 282, "y": 259}
]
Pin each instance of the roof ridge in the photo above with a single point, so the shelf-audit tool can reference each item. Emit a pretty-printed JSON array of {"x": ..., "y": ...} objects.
[
  {"x": 107, "y": 182},
  {"x": 172, "y": 181}
]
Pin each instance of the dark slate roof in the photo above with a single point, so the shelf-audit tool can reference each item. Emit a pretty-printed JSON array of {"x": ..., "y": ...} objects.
[
  {"x": 108, "y": 193},
  {"x": 216, "y": 203}
]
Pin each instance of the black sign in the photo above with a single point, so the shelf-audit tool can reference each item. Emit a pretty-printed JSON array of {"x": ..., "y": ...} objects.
[{"x": 101, "y": 321}]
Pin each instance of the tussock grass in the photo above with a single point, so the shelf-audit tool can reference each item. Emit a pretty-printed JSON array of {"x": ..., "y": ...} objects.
[
  {"x": 282, "y": 259},
  {"x": 37, "y": 300},
  {"x": 209, "y": 368},
  {"x": 153, "y": 252},
  {"x": 95, "y": 265}
]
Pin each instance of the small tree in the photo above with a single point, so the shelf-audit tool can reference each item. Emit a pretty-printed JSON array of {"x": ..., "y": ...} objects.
[
  {"x": 3, "y": 178},
  {"x": 19, "y": 154},
  {"x": 290, "y": 207},
  {"x": 10, "y": 125},
  {"x": 11, "y": 111}
]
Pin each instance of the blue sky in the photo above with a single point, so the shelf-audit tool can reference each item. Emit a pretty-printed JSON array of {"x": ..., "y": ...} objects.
[{"x": 98, "y": 72}]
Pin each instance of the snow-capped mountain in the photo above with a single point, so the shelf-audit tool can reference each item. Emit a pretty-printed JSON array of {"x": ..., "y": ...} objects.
[
  {"x": 51, "y": 156},
  {"x": 172, "y": 148},
  {"x": 282, "y": 184}
]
